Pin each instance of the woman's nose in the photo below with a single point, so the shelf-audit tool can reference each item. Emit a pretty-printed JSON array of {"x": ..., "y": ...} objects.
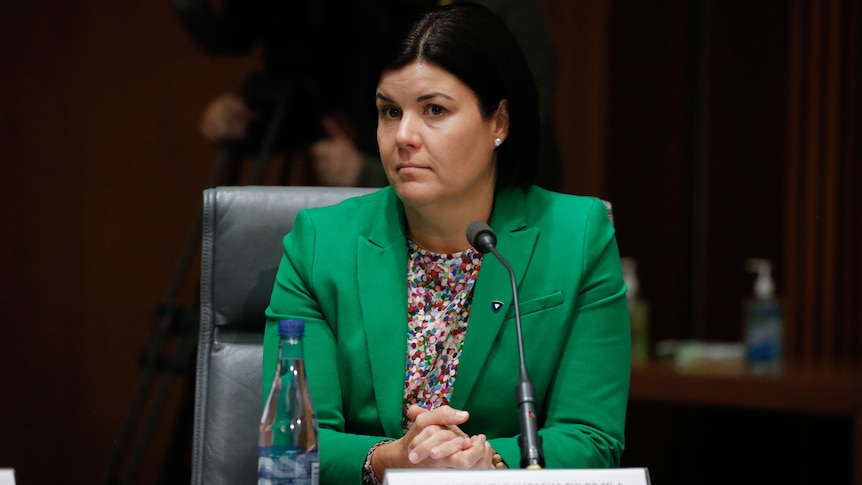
[{"x": 407, "y": 134}]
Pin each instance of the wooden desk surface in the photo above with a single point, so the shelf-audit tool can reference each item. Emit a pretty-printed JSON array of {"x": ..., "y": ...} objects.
[{"x": 835, "y": 390}]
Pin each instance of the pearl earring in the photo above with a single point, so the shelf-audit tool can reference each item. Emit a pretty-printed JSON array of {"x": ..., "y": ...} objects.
[{"x": 497, "y": 142}]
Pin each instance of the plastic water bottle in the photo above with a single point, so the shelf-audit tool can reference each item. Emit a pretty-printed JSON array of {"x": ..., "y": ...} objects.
[{"x": 288, "y": 441}]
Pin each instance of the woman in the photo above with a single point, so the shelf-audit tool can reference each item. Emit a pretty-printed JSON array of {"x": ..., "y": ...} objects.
[{"x": 410, "y": 335}]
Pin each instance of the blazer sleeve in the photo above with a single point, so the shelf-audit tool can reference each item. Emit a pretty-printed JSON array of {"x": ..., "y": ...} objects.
[
  {"x": 294, "y": 295},
  {"x": 585, "y": 404}
]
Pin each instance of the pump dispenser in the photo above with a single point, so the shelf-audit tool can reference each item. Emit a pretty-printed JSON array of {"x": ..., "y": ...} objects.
[
  {"x": 764, "y": 287},
  {"x": 764, "y": 323}
]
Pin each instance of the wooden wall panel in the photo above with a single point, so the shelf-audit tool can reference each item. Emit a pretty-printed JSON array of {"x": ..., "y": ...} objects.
[
  {"x": 647, "y": 167},
  {"x": 580, "y": 31},
  {"x": 823, "y": 216},
  {"x": 101, "y": 172}
]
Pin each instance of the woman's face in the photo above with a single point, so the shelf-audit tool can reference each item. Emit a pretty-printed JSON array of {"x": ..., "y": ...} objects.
[{"x": 434, "y": 143}]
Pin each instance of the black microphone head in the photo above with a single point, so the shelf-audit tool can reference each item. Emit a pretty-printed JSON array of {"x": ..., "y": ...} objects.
[{"x": 481, "y": 236}]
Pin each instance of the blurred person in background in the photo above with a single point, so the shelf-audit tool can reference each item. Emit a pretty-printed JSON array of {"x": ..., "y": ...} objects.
[{"x": 327, "y": 52}]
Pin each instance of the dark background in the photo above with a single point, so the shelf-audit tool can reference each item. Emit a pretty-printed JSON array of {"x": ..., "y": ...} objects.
[{"x": 677, "y": 112}]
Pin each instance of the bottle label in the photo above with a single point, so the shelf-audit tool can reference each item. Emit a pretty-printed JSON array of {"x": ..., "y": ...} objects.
[
  {"x": 287, "y": 466},
  {"x": 764, "y": 335}
]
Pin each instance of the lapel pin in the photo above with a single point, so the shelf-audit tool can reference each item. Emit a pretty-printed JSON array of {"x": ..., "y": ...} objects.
[{"x": 496, "y": 305}]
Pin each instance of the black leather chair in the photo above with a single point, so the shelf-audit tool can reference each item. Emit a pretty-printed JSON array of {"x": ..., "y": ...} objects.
[{"x": 241, "y": 248}]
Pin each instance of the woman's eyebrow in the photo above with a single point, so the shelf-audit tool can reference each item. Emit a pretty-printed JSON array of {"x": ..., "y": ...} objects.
[
  {"x": 426, "y": 97},
  {"x": 383, "y": 97}
]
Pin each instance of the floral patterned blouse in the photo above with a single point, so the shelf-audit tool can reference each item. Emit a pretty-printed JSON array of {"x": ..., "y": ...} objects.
[
  {"x": 440, "y": 291},
  {"x": 439, "y": 294}
]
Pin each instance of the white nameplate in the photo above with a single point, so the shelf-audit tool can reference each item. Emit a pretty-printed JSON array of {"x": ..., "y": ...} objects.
[
  {"x": 512, "y": 476},
  {"x": 7, "y": 476}
]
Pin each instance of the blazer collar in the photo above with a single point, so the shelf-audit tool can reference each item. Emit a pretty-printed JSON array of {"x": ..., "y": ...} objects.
[
  {"x": 382, "y": 277},
  {"x": 515, "y": 242}
]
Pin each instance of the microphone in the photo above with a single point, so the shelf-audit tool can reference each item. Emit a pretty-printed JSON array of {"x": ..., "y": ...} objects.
[{"x": 482, "y": 237}]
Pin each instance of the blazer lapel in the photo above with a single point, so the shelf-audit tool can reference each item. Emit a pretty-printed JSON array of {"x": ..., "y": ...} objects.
[
  {"x": 382, "y": 277},
  {"x": 515, "y": 242}
]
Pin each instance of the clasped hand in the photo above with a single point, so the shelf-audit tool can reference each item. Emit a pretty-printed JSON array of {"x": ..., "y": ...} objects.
[{"x": 434, "y": 441}]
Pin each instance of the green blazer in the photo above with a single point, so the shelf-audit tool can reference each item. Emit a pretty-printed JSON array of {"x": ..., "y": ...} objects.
[{"x": 344, "y": 271}]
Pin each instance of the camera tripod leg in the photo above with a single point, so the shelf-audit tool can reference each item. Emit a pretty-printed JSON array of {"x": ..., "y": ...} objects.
[
  {"x": 186, "y": 331},
  {"x": 183, "y": 356},
  {"x": 272, "y": 132},
  {"x": 165, "y": 327}
]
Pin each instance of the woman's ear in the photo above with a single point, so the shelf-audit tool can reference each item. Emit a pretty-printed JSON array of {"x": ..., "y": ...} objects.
[{"x": 501, "y": 120}]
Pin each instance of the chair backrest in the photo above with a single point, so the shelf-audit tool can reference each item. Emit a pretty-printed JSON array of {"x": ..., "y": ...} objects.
[{"x": 241, "y": 249}]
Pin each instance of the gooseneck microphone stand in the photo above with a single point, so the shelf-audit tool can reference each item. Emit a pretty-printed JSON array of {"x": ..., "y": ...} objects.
[{"x": 482, "y": 237}]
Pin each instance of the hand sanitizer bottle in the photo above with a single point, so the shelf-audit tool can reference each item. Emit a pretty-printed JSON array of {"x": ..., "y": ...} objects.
[{"x": 763, "y": 328}]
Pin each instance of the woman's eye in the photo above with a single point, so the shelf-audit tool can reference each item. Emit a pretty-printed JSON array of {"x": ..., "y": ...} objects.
[
  {"x": 389, "y": 112},
  {"x": 435, "y": 110}
]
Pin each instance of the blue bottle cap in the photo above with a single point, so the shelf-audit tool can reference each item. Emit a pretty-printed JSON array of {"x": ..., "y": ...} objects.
[{"x": 292, "y": 328}]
